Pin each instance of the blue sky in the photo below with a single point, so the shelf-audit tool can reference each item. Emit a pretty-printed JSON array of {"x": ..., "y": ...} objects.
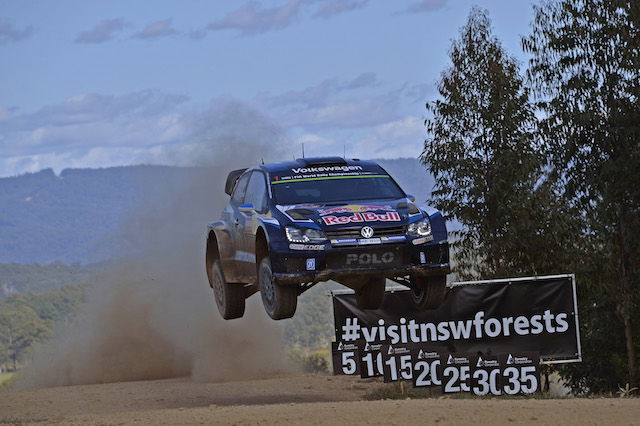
[{"x": 95, "y": 84}]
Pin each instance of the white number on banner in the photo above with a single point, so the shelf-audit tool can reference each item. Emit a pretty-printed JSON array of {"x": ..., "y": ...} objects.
[
  {"x": 374, "y": 367},
  {"x": 349, "y": 365},
  {"x": 427, "y": 373},
  {"x": 529, "y": 380},
  {"x": 520, "y": 379},
  {"x": 405, "y": 367},
  {"x": 485, "y": 382},
  {"x": 452, "y": 376},
  {"x": 482, "y": 386}
]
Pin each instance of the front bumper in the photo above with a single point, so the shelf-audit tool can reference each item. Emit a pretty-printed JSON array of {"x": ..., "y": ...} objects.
[{"x": 333, "y": 263}]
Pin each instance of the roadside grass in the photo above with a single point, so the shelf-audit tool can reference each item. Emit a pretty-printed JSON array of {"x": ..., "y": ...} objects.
[
  {"x": 405, "y": 390},
  {"x": 6, "y": 379},
  {"x": 401, "y": 390}
]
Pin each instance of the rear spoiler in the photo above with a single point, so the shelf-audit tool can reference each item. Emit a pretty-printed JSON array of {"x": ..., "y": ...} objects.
[{"x": 232, "y": 178}]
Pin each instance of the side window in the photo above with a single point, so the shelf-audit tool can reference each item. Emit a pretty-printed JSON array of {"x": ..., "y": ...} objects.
[
  {"x": 240, "y": 189},
  {"x": 257, "y": 192}
]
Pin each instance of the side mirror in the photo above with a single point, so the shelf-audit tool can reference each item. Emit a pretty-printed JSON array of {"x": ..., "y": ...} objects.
[
  {"x": 411, "y": 197},
  {"x": 247, "y": 208}
]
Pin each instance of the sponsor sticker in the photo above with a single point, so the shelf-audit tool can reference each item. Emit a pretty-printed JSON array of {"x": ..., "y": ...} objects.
[
  {"x": 392, "y": 216},
  {"x": 314, "y": 247},
  {"x": 354, "y": 208},
  {"x": 306, "y": 170},
  {"x": 311, "y": 264},
  {"x": 365, "y": 241}
]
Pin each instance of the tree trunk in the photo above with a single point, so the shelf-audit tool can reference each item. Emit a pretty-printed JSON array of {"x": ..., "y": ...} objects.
[
  {"x": 631, "y": 350},
  {"x": 625, "y": 294}
]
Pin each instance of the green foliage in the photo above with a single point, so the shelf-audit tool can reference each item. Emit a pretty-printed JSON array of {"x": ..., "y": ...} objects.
[
  {"x": 481, "y": 147},
  {"x": 585, "y": 68},
  {"x": 556, "y": 193},
  {"x": 312, "y": 325},
  {"x": 6, "y": 379},
  {"x": 20, "y": 327},
  {"x": 19, "y": 278},
  {"x": 315, "y": 362},
  {"x": 28, "y": 318},
  {"x": 401, "y": 390}
]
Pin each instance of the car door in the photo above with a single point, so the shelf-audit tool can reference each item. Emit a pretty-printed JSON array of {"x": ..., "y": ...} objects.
[
  {"x": 236, "y": 220},
  {"x": 255, "y": 202}
]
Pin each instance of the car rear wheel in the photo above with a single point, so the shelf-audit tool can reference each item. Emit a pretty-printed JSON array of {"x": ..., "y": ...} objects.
[
  {"x": 428, "y": 292},
  {"x": 279, "y": 301},
  {"x": 371, "y": 295},
  {"x": 229, "y": 297}
]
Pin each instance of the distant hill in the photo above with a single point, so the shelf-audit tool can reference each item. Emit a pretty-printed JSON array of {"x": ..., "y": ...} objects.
[{"x": 68, "y": 218}]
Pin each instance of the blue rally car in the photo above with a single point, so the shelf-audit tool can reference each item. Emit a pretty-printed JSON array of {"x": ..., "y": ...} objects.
[{"x": 293, "y": 224}]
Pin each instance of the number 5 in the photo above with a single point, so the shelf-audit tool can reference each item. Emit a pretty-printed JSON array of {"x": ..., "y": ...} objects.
[
  {"x": 348, "y": 363},
  {"x": 529, "y": 379}
]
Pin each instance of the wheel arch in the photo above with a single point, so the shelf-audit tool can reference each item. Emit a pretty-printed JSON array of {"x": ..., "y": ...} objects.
[
  {"x": 212, "y": 254},
  {"x": 262, "y": 244}
]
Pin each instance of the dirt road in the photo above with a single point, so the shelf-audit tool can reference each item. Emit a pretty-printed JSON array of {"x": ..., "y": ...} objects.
[{"x": 297, "y": 399}]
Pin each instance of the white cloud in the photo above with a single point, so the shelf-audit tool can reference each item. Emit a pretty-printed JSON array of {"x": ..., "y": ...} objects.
[
  {"x": 251, "y": 18},
  {"x": 403, "y": 137},
  {"x": 334, "y": 103},
  {"x": 319, "y": 94},
  {"x": 157, "y": 29},
  {"x": 336, "y": 7},
  {"x": 425, "y": 6},
  {"x": 394, "y": 139},
  {"x": 141, "y": 127},
  {"x": 102, "y": 32},
  {"x": 11, "y": 34},
  {"x": 87, "y": 121}
]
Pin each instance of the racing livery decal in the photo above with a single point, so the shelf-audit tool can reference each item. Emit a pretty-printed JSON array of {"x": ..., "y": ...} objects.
[
  {"x": 362, "y": 217},
  {"x": 353, "y": 208}
]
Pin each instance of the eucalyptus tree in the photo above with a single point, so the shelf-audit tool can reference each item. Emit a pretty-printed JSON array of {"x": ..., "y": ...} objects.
[
  {"x": 481, "y": 149},
  {"x": 585, "y": 71}
]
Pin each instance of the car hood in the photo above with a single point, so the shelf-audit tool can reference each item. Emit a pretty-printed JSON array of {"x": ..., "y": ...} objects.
[{"x": 377, "y": 214}]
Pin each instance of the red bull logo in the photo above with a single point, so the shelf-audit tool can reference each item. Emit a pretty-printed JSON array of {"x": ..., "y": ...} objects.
[{"x": 362, "y": 217}]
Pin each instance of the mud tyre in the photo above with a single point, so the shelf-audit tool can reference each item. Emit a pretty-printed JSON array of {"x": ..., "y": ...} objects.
[
  {"x": 371, "y": 294},
  {"x": 229, "y": 297},
  {"x": 429, "y": 292},
  {"x": 279, "y": 301}
]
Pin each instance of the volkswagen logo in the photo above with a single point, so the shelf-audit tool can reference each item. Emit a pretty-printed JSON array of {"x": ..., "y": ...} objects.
[{"x": 366, "y": 231}]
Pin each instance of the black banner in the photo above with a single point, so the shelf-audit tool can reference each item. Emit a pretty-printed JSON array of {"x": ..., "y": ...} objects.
[{"x": 484, "y": 318}]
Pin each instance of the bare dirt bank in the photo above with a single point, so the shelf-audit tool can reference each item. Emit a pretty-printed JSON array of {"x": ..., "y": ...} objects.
[{"x": 299, "y": 399}]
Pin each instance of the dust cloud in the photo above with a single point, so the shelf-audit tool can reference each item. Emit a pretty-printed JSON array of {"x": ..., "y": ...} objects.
[{"x": 150, "y": 313}]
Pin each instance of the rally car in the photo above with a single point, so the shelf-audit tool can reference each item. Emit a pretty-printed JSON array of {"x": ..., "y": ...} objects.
[{"x": 293, "y": 224}]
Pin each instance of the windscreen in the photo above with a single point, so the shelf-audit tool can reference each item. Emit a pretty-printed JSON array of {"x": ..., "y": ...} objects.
[{"x": 327, "y": 184}]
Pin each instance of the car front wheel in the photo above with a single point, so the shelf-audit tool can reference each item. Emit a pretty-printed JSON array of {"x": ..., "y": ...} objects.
[
  {"x": 428, "y": 292},
  {"x": 279, "y": 301},
  {"x": 229, "y": 297}
]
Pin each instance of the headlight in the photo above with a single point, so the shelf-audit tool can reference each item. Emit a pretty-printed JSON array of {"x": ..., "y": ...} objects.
[
  {"x": 304, "y": 235},
  {"x": 421, "y": 228}
]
